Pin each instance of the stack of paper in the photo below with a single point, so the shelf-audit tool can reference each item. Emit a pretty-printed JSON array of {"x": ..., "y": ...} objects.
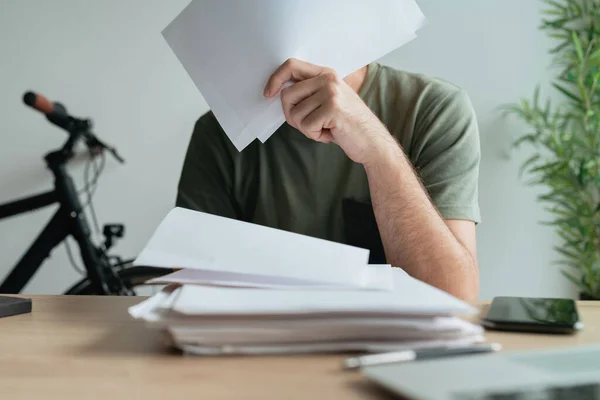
[
  {"x": 251, "y": 289},
  {"x": 211, "y": 320},
  {"x": 231, "y": 47}
]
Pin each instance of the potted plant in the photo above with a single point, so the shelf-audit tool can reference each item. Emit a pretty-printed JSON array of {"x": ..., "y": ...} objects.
[{"x": 566, "y": 140}]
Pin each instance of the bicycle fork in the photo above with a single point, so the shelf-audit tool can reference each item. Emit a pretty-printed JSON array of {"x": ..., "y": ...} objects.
[{"x": 68, "y": 220}]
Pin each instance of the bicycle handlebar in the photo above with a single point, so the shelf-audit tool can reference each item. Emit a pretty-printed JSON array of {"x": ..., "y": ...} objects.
[
  {"x": 57, "y": 114},
  {"x": 38, "y": 102}
]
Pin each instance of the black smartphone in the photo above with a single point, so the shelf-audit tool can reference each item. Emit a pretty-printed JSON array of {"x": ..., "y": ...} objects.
[{"x": 529, "y": 314}]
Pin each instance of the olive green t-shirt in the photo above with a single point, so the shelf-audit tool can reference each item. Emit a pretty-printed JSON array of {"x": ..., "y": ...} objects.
[{"x": 293, "y": 183}]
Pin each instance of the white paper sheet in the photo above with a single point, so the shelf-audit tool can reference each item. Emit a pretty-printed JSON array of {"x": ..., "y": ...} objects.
[
  {"x": 326, "y": 347},
  {"x": 410, "y": 297},
  {"x": 195, "y": 240},
  {"x": 230, "y": 48},
  {"x": 379, "y": 277},
  {"x": 414, "y": 324},
  {"x": 308, "y": 331}
]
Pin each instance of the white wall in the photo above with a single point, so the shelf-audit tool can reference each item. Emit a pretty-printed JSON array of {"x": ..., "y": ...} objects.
[{"x": 106, "y": 59}]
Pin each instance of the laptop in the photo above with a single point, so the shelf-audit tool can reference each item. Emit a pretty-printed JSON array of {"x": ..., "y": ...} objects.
[{"x": 570, "y": 373}]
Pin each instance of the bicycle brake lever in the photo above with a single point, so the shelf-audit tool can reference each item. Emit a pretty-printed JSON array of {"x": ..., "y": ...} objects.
[
  {"x": 94, "y": 143},
  {"x": 116, "y": 155}
]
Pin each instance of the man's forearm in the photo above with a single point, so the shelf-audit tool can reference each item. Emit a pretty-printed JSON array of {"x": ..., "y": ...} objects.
[
  {"x": 414, "y": 235},
  {"x": 326, "y": 109}
]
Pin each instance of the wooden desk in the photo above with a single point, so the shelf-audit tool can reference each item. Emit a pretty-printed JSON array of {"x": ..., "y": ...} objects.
[{"x": 89, "y": 347}]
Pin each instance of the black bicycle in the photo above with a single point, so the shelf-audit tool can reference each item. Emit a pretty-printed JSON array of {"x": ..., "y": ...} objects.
[{"x": 105, "y": 274}]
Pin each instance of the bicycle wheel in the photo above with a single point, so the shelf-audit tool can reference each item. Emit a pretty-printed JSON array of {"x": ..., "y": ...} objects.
[{"x": 133, "y": 277}]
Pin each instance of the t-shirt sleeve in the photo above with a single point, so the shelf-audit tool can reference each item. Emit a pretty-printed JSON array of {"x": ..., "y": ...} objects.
[
  {"x": 446, "y": 154},
  {"x": 206, "y": 182}
]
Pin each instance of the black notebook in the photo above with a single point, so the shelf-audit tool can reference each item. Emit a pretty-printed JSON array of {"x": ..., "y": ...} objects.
[{"x": 13, "y": 306}]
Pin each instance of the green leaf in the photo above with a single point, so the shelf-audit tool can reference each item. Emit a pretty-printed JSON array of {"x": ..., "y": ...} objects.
[
  {"x": 581, "y": 143},
  {"x": 556, "y": 23},
  {"x": 567, "y": 74},
  {"x": 530, "y": 161},
  {"x": 570, "y": 240},
  {"x": 565, "y": 120},
  {"x": 586, "y": 7},
  {"x": 574, "y": 232},
  {"x": 575, "y": 243},
  {"x": 525, "y": 139},
  {"x": 570, "y": 204},
  {"x": 526, "y": 107},
  {"x": 560, "y": 36},
  {"x": 558, "y": 48},
  {"x": 578, "y": 48},
  {"x": 582, "y": 91},
  {"x": 576, "y": 281},
  {"x": 595, "y": 55},
  {"x": 548, "y": 167},
  {"x": 575, "y": 7},
  {"x": 567, "y": 253},
  {"x": 559, "y": 212},
  {"x": 546, "y": 112},
  {"x": 566, "y": 92},
  {"x": 556, "y": 5},
  {"x": 513, "y": 109},
  {"x": 563, "y": 223},
  {"x": 552, "y": 12},
  {"x": 566, "y": 263},
  {"x": 550, "y": 197}
]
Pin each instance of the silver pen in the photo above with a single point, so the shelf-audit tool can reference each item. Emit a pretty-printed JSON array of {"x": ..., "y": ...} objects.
[{"x": 414, "y": 355}]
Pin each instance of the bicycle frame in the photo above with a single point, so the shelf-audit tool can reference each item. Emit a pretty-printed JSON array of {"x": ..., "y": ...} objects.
[{"x": 68, "y": 220}]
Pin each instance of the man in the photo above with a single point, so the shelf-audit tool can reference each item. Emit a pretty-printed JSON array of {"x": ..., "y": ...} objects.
[{"x": 384, "y": 159}]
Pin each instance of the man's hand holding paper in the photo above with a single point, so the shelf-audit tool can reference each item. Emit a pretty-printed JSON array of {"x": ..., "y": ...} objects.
[{"x": 325, "y": 108}]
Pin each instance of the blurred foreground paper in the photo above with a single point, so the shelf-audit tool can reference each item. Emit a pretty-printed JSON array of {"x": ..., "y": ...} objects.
[
  {"x": 378, "y": 277},
  {"x": 189, "y": 239},
  {"x": 230, "y": 48}
]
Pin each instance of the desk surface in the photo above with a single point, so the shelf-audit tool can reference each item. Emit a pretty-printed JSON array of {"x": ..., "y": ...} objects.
[{"x": 89, "y": 347}]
